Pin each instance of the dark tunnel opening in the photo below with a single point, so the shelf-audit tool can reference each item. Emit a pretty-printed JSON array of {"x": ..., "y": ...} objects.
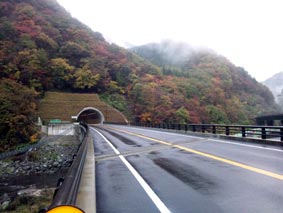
[{"x": 90, "y": 116}]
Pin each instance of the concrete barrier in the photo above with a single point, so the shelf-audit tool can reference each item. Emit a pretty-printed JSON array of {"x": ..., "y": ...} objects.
[{"x": 60, "y": 129}]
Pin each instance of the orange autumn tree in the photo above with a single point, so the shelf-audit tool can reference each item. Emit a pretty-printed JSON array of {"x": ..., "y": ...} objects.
[{"x": 17, "y": 114}]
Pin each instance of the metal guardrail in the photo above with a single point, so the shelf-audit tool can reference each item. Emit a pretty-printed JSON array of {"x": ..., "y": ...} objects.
[
  {"x": 67, "y": 190},
  {"x": 245, "y": 131}
]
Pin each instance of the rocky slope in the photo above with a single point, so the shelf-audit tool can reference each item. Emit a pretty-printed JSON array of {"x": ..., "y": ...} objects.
[{"x": 26, "y": 180}]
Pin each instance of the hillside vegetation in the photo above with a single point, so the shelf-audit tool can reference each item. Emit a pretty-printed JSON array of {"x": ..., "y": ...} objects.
[
  {"x": 44, "y": 49},
  {"x": 204, "y": 86}
]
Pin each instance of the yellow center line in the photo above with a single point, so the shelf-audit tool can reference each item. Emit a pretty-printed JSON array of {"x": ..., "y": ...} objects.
[
  {"x": 234, "y": 163},
  {"x": 214, "y": 157},
  {"x": 141, "y": 136}
]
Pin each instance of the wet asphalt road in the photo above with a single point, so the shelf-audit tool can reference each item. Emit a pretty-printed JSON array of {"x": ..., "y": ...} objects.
[{"x": 187, "y": 173}]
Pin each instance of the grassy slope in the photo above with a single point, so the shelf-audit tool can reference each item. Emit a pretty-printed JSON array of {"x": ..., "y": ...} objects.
[{"x": 61, "y": 105}]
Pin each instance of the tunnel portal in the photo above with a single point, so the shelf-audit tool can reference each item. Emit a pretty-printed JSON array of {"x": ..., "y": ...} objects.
[{"x": 90, "y": 115}]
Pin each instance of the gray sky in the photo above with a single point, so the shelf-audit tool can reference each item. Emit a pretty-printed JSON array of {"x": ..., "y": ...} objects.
[{"x": 248, "y": 32}]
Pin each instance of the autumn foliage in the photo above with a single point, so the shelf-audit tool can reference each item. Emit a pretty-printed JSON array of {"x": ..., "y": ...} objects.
[
  {"x": 17, "y": 114},
  {"x": 43, "y": 48},
  {"x": 197, "y": 86}
]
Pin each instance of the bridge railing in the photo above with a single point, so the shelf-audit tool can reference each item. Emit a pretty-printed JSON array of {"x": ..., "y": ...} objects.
[{"x": 245, "y": 131}]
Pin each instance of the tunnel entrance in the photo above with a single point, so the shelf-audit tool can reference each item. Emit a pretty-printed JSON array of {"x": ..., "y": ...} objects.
[{"x": 90, "y": 115}]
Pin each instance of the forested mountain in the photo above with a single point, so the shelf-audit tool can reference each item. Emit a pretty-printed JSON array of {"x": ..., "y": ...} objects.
[
  {"x": 43, "y": 48},
  {"x": 215, "y": 90}
]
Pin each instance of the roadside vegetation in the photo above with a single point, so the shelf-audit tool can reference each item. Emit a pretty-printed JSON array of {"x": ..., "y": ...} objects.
[{"x": 17, "y": 115}]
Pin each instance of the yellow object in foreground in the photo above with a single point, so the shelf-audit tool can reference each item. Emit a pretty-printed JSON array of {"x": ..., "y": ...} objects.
[{"x": 65, "y": 209}]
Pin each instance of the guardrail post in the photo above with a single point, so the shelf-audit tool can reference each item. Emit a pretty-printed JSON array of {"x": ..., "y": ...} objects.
[
  {"x": 213, "y": 129},
  {"x": 202, "y": 128},
  {"x": 227, "y": 130},
  {"x": 186, "y": 127},
  {"x": 263, "y": 133},
  {"x": 194, "y": 128},
  {"x": 243, "y": 132},
  {"x": 281, "y": 134}
]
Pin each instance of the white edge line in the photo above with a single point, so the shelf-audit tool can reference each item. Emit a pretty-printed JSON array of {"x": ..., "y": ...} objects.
[
  {"x": 247, "y": 145},
  {"x": 156, "y": 200}
]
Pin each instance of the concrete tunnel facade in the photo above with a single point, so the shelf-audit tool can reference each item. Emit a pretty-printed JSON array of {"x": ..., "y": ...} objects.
[{"x": 90, "y": 115}]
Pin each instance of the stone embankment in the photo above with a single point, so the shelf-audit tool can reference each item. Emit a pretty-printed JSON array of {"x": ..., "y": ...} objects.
[
  {"x": 49, "y": 158},
  {"x": 30, "y": 170}
]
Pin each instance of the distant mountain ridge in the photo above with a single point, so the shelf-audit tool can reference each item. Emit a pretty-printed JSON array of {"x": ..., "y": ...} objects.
[
  {"x": 167, "y": 52},
  {"x": 275, "y": 84}
]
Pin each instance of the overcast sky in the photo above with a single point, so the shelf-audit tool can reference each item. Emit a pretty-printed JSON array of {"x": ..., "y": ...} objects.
[{"x": 248, "y": 32}]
